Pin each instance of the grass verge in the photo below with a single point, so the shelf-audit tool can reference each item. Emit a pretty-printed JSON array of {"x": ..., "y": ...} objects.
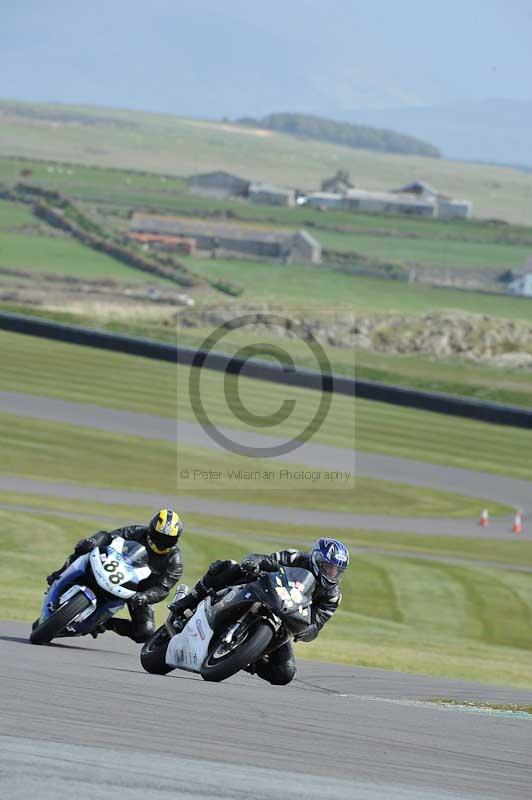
[
  {"x": 52, "y": 451},
  {"x": 83, "y": 374},
  {"x": 515, "y": 551}
]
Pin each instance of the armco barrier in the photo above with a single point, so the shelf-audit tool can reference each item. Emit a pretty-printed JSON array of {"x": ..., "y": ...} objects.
[{"x": 370, "y": 390}]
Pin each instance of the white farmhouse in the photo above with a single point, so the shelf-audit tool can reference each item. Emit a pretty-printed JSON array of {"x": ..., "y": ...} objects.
[
  {"x": 521, "y": 286},
  {"x": 445, "y": 207}
]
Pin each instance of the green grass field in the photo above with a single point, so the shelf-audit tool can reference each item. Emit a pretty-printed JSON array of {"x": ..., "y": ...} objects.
[
  {"x": 14, "y": 215},
  {"x": 455, "y": 621},
  {"x": 305, "y": 287},
  {"x": 62, "y": 256},
  {"x": 170, "y": 145},
  {"x": 429, "y": 252}
]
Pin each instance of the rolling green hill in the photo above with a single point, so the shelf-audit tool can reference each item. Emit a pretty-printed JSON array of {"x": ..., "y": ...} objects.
[
  {"x": 170, "y": 145},
  {"x": 309, "y": 126}
]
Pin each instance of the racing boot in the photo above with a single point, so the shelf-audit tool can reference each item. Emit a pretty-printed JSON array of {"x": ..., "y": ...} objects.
[
  {"x": 101, "y": 628},
  {"x": 187, "y": 601}
]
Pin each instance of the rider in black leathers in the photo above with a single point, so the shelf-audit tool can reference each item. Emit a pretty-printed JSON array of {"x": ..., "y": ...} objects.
[
  {"x": 160, "y": 537},
  {"x": 279, "y": 667}
]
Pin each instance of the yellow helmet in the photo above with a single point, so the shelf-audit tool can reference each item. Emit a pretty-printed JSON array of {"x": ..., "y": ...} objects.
[{"x": 164, "y": 531}]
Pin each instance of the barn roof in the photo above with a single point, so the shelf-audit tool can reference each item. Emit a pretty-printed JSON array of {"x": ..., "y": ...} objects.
[{"x": 217, "y": 173}]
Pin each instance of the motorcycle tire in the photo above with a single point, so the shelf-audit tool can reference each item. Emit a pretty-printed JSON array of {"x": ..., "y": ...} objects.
[
  {"x": 153, "y": 653},
  {"x": 249, "y": 651},
  {"x": 57, "y": 622}
]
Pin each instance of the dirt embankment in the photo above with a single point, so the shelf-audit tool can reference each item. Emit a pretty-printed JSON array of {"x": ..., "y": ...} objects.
[{"x": 441, "y": 334}]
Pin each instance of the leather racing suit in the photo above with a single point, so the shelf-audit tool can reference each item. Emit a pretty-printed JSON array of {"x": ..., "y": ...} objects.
[
  {"x": 279, "y": 667},
  {"x": 166, "y": 570}
]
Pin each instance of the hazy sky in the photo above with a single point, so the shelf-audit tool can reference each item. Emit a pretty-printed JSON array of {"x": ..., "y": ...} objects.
[{"x": 234, "y": 57}]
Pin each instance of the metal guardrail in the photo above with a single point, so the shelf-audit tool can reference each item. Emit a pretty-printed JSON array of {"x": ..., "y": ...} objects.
[{"x": 262, "y": 370}]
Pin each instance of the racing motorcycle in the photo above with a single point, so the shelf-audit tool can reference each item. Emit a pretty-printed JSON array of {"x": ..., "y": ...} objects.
[
  {"x": 234, "y": 627},
  {"x": 93, "y": 588}
]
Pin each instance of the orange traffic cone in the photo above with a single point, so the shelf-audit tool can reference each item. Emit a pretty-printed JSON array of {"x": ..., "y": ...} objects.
[
  {"x": 517, "y": 527},
  {"x": 484, "y": 518}
]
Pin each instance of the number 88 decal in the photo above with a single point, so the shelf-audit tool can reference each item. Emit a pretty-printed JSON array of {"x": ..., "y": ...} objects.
[{"x": 112, "y": 566}]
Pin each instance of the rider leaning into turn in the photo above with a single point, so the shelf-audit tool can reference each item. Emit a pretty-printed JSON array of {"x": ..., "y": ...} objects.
[
  {"x": 327, "y": 561},
  {"x": 160, "y": 537}
]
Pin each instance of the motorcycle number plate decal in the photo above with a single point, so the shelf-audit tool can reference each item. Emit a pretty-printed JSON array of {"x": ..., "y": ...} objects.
[
  {"x": 296, "y": 595},
  {"x": 283, "y": 594}
]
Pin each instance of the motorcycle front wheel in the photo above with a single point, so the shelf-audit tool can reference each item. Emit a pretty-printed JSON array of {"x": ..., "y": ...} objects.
[
  {"x": 221, "y": 662},
  {"x": 57, "y": 622},
  {"x": 153, "y": 653}
]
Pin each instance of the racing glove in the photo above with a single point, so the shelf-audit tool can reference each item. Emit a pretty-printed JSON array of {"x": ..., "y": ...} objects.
[
  {"x": 138, "y": 600},
  {"x": 309, "y": 634},
  {"x": 252, "y": 564},
  {"x": 86, "y": 545}
]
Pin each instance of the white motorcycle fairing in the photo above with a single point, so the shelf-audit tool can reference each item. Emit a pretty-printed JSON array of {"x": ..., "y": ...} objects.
[
  {"x": 111, "y": 571},
  {"x": 188, "y": 649}
]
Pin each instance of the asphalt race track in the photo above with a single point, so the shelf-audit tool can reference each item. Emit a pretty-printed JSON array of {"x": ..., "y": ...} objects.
[{"x": 83, "y": 720}]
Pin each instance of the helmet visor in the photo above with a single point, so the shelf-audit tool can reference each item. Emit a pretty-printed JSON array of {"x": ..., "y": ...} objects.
[
  {"x": 161, "y": 543},
  {"x": 332, "y": 573}
]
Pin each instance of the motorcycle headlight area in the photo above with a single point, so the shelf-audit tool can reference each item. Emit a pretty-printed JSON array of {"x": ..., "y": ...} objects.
[
  {"x": 115, "y": 581},
  {"x": 292, "y": 598}
]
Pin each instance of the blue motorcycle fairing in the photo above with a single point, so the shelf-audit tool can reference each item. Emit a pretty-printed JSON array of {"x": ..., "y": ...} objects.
[
  {"x": 73, "y": 574},
  {"x": 99, "y": 615}
]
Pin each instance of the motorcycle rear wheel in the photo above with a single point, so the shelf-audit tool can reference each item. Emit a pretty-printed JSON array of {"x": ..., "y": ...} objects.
[
  {"x": 218, "y": 669},
  {"x": 153, "y": 653},
  {"x": 57, "y": 622}
]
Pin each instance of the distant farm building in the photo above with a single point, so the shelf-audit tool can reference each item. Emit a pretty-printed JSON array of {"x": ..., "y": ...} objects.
[
  {"x": 271, "y": 195},
  {"x": 338, "y": 184},
  {"x": 218, "y": 185},
  {"x": 446, "y": 207},
  {"x": 416, "y": 198},
  {"x": 177, "y": 244},
  {"x": 304, "y": 248},
  {"x": 372, "y": 202},
  {"x": 231, "y": 240},
  {"x": 521, "y": 285},
  {"x": 325, "y": 200},
  {"x": 388, "y": 203}
]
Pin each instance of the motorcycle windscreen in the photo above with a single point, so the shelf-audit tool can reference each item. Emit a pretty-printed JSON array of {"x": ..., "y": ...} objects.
[
  {"x": 302, "y": 578},
  {"x": 135, "y": 554}
]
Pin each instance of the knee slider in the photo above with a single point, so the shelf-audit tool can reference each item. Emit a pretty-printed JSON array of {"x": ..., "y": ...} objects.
[
  {"x": 280, "y": 676},
  {"x": 143, "y": 632}
]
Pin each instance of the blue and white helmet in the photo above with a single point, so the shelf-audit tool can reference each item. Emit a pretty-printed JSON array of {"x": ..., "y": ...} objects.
[{"x": 330, "y": 559}]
